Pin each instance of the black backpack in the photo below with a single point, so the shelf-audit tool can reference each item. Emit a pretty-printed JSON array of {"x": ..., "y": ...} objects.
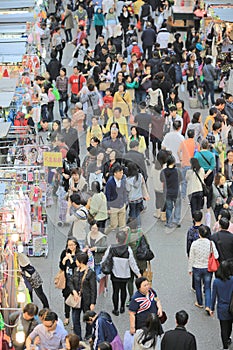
[{"x": 145, "y": 10}]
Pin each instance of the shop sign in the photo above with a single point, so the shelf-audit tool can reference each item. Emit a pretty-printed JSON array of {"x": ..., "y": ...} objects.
[{"x": 52, "y": 159}]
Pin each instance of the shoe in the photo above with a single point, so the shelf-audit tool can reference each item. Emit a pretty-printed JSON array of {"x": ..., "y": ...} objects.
[
  {"x": 66, "y": 321},
  {"x": 122, "y": 310},
  {"x": 128, "y": 302},
  {"x": 171, "y": 225},
  {"x": 163, "y": 216},
  {"x": 197, "y": 305},
  {"x": 176, "y": 225},
  {"x": 147, "y": 162},
  {"x": 115, "y": 312},
  {"x": 157, "y": 213},
  {"x": 207, "y": 309},
  {"x": 229, "y": 341}
]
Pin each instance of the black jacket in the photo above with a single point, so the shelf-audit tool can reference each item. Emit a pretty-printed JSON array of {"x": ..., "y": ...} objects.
[
  {"x": 178, "y": 338},
  {"x": 171, "y": 178},
  {"x": 148, "y": 37},
  {"x": 53, "y": 67},
  {"x": 71, "y": 139},
  {"x": 224, "y": 244},
  {"x": 89, "y": 287}
]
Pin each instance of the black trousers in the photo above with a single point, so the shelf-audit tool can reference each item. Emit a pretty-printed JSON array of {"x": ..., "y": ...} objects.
[
  {"x": 226, "y": 329},
  {"x": 40, "y": 293},
  {"x": 119, "y": 287},
  {"x": 196, "y": 201}
]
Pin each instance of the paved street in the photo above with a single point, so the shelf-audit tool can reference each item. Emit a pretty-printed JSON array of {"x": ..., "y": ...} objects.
[{"x": 171, "y": 279}]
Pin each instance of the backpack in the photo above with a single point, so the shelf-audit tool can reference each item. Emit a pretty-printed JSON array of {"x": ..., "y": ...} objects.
[
  {"x": 136, "y": 50},
  {"x": 178, "y": 72},
  {"x": 145, "y": 10}
]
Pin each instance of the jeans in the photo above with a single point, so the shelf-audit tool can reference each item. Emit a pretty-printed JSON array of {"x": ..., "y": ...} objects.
[
  {"x": 209, "y": 90},
  {"x": 117, "y": 288},
  {"x": 76, "y": 315},
  {"x": 173, "y": 202},
  {"x": 184, "y": 182},
  {"x": 226, "y": 329},
  {"x": 61, "y": 111},
  {"x": 134, "y": 211},
  {"x": 68, "y": 35},
  {"x": 147, "y": 49},
  {"x": 140, "y": 96},
  {"x": 206, "y": 277},
  {"x": 97, "y": 268}
]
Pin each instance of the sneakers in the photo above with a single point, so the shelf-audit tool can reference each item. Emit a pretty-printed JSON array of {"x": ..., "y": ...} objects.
[
  {"x": 115, "y": 312},
  {"x": 157, "y": 213},
  {"x": 171, "y": 225}
]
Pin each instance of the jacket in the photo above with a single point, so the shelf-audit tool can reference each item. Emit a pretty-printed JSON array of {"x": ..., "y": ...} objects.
[
  {"x": 209, "y": 73},
  {"x": 71, "y": 139},
  {"x": 221, "y": 195},
  {"x": 163, "y": 38},
  {"x": 148, "y": 37},
  {"x": 178, "y": 338},
  {"x": 222, "y": 291},
  {"x": 89, "y": 287},
  {"x": 193, "y": 183},
  {"x": 134, "y": 187},
  {"x": 123, "y": 262},
  {"x": 224, "y": 244},
  {"x": 124, "y": 102},
  {"x": 98, "y": 206},
  {"x": 69, "y": 22},
  {"x": 78, "y": 219},
  {"x": 98, "y": 18},
  {"x": 53, "y": 67},
  {"x": 103, "y": 329},
  {"x": 137, "y": 345},
  {"x": 199, "y": 253},
  {"x": 111, "y": 192},
  {"x": 68, "y": 268},
  {"x": 100, "y": 244}
]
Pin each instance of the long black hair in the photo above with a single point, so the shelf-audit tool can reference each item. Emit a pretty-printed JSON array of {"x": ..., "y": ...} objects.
[{"x": 151, "y": 331}]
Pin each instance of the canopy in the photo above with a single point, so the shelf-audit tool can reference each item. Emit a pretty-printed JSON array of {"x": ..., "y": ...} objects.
[
  {"x": 14, "y": 4},
  {"x": 21, "y": 17},
  {"x": 7, "y": 91},
  {"x": 12, "y": 50},
  {"x": 218, "y": 2},
  {"x": 224, "y": 13},
  {"x": 12, "y": 29}
]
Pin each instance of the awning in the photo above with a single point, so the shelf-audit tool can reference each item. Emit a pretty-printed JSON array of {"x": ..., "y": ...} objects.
[
  {"x": 218, "y": 2},
  {"x": 7, "y": 91},
  {"x": 13, "y": 4},
  {"x": 12, "y": 29},
  {"x": 224, "y": 13},
  {"x": 12, "y": 50}
]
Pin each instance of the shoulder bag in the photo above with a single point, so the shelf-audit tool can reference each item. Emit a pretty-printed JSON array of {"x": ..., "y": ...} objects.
[
  {"x": 107, "y": 264},
  {"x": 148, "y": 273},
  {"x": 213, "y": 263},
  {"x": 205, "y": 159},
  {"x": 60, "y": 280},
  {"x": 231, "y": 305},
  {"x": 70, "y": 301},
  {"x": 131, "y": 117},
  {"x": 205, "y": 189},
  {"x": 96, "y": 111}
]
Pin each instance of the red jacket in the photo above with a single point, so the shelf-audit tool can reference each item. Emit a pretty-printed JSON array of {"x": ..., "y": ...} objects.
[
  {"x": 186, "y": 120},
  {"x": 131, "y": 67}
]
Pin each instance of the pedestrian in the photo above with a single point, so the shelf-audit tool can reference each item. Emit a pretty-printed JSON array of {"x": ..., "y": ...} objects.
[
  {"x": 179, "y": 338},
  {"x": 70, "y": 136},
  {"x": 209, "y": 74},
  {"x": 99, "y": 21},
  {"x": 148, "y": 39},
  {"x": 115, "y": 191},
  {"x": 98, "y": 206},
  {"x": 195, "y": 180},
  {"x": 222, "y": 194},
  {"x": 68, "y": 23},
  {"x": 67, "y": 264},
  {"x": 134, "y": 156},
  {"x": 32, "y": 279},
  {"x": 171, "y": 178},
  {"x": 198, "y": 266},
  {"x": 147, "y": 338},
  {"x": 53, "y": 67},
  {"x": 83, "y": 283},
  {"x": 73, "y": 343},
  {"x": 103, "y": 330},
  {"x": 173, "y": 139},
  {"x": 223, "y": 240},
  {"x": 51, "y": 334},
  {"x": 222, "y": 292},
  {"x": 27, "y": 318},
  {"x": 123, "y": 262},
  {"x": 62, "y": 86},
  {"x": 144, "y": 302}
]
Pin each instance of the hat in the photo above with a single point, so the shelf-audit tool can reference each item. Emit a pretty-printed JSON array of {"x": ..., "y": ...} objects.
[
  {"x": 23, "y": 260},
  {"x": 133, "y": 144},
  {"x": 79, "y": 105}
]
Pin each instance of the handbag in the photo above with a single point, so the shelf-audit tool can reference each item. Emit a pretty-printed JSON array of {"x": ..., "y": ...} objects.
[
  {"x": 60, "y": 280},
  {"x": 143, "y": 251},
  {"x": 74, "y": 98},
  {"x": 128, "y": 340},
  {"x": 59, "y": 47},
  {"x": 55, "y": 93},
  {"x": 35, "y": 280},
  {"x": 213, "y": 263},
  {"x": 70, "y": 301},
  {"x": 107, "y": 264},
  {"x": 163, "y": 318},
  {"x": 148, "y": 273},
  {"x": 205, "y": 189}
]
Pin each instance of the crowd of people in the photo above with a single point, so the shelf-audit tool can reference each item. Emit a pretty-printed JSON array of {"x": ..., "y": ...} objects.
[{"x": 123, "y": 94}]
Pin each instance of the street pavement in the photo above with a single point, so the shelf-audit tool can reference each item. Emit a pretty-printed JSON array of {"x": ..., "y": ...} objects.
[{"x": 170, "y": 280}]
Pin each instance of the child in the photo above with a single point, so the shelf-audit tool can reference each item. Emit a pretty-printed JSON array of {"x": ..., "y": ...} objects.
[
  {"x": 210, "y": 120},
  {"x": 107, "y": 106}
]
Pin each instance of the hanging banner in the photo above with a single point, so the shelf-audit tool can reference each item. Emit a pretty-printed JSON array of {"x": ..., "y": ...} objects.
[{"x": 52, "y": 159}]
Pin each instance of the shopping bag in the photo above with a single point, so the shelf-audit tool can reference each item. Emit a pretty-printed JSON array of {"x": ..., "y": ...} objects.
[
  {"x": 128, "y": 340},
  {"x": 148, "y": 273}
]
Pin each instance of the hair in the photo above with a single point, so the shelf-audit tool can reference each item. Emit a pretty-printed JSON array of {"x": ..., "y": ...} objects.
[
  {"x": 51, "y": 316},
  {"x": 139, "y": 281},
  {"x": 82, "y": 257},
  {"x": 225, "y": 213},
  {"x": 74, "y": 240},
  {"x": 75, "y": 198},
  {"x": 71, "y": 156},
  {"x": 202, "y": 231},
  {"x": 43, "y": 312},
  {"x": 117, "y": 168},
  {"x": 224, "y": 223},
  {"x": 88, "y": 314},
  {"x": 213, "y": 110},
  {"x": 95, "y": 187},
  {"x": 121, "y": 237},
  {"x": 118, "y": 109},
  {"x": 31, "y": 309},
  {"x": 73, "y": 340},
  {"x": 132, "y": 170},
  {"x": 171, "y": 160},
  {"x": 204, "y": 144},
  {"x": 155, "y": 84},
  {"x": 224, "y": 271},
  {"x": 162, "y": 156},
  {"x": 176, "y": 125},
  {"x": 151, "y": 330},
  {"x": 197, "y": 215},
  {"x": 191, "y": 133},
  {"x": 77, "y": 171},
  {"x": 217, "y": 178},
  {"x": 105, "y": 345},
  {"x": 196, "y": 117},
  {"x": 172, "y": 108},
  {"x": 217, "y": 125},
  {"x": 182, "y": 318},
  {"x": 137, "y": 132},
  {"x": 195, "y": 166},
  {"x": 68, "y": 119},
  {"x": 208, "y": 60},
  {"x": 219, "y": 101}
]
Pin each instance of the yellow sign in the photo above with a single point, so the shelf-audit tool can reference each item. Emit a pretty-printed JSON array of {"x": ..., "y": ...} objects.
[{"x": 53, "y": 159}]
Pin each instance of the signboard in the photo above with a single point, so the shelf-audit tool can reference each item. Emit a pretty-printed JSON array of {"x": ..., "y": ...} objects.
[{"x": 52, "y": 159}]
